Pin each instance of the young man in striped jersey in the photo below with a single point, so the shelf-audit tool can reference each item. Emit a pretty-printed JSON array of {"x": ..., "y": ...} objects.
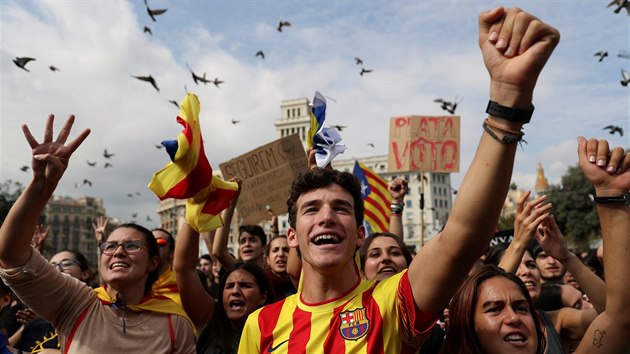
[{"x": 336, "y": 311}]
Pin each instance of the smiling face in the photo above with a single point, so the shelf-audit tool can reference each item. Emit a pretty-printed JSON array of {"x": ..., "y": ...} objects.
[
  {"x": 326, "y": 230},
  {"x": 250, "y": 247},
  {"x": 278, "y": 255},
  {"x": 241, "y": 296},
  {"x": 503, "y": 320},
  {"x": 123, "y": 268},
  {"x": 66, "y": 263},
  {"x": 383, "y": 259},
  {"x": 529, "y": 274}
]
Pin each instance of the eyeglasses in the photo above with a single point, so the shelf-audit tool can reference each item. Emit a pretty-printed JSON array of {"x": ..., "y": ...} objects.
[
  {"x": 65, "y": 263},
  {"x": 110, "y": 247}
]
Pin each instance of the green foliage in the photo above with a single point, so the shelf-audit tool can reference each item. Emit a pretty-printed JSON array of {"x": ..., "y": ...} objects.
[
  {"x": 574, "y": 209},
  {"x": 9, "y": 192}
]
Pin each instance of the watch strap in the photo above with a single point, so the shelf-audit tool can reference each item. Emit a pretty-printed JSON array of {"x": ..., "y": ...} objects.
[
  {"x": 511, "y": 114},
  {"x": 624, "y": 198}
]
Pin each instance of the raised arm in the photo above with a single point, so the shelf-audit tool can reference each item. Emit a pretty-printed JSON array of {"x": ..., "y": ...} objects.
[
  {"x": 199, "y": 305},
  {"x": 515, "y": 47},
  {"x": 528, "y": 217},
  {"x": 609, "y": 172},
  {"x": 397, "y": 189},
  {"x": 219, "y": 247},
  {"x": 50, "y": 160}
]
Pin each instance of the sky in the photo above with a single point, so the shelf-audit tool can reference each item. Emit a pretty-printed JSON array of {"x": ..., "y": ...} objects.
[{"x": 418, "y": 51}]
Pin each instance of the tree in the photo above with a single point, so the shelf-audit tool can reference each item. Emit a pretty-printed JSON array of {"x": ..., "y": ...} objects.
[
  {"x": 574, "y": 209},
  {"x": 9, "y": 192}
]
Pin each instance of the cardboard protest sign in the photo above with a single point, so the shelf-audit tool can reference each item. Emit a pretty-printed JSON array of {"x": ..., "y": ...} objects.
[
  {"x": 267, "y": 173},
  {"x": 424, "y": 144}
]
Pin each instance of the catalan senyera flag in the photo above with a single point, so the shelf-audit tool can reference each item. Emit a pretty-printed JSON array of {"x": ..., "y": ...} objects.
[
  {"x": 376, "y": 197},
  {"x": 318, "y": 115},
  {"x": 189, "y": 174}
]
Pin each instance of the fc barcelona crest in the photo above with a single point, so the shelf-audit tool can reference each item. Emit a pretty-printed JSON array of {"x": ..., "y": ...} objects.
[{"x": 354, "y": 324}]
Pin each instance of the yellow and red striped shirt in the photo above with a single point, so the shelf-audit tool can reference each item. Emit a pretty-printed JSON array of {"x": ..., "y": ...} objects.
[{"x": 373, "y": 317}]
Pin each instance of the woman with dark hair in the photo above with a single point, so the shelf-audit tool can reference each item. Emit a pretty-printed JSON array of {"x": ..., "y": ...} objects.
[
  {"x": 382, "y": 255},
  {"x": 243, "y": 289},
  {"x": 493, "y": 313},
  {"x": 276, "y": 261},
  {"x": 124, "y": 314}
]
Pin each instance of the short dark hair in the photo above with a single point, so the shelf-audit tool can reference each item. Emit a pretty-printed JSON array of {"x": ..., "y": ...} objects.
[
  {"x": 550, "y": 297},
  {"x": 169, "y": 237},
  {"x": 322, "y": 177},
  {"x": 207, "y": 257},
  {"x": 152, "y": 247},
  {"x": 255, "y": 230}
]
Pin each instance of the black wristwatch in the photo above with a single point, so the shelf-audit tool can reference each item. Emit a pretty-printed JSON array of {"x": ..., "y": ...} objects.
[
  {"x": 511, "y": 114},
  {"x": 624, "y": 199}
]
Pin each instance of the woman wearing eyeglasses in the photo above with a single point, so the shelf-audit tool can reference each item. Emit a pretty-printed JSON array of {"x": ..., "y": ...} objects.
[{"x": 121, "y": 316}]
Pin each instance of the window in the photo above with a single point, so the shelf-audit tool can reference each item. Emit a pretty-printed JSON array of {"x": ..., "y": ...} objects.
[
  {"x": 409, "y": 204},
  {"x": 293, "y": 112},
  {"x": 409, "y": 216},
  {"x": 288, "y": 113},
  {"x": 299, "y": 111}
]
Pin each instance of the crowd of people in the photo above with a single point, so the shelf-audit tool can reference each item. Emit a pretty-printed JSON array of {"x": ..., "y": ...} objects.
[{"x": 326, "y": 286}]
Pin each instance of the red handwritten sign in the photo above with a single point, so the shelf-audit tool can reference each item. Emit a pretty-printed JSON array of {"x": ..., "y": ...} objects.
[{"x": 424, "y": 144}]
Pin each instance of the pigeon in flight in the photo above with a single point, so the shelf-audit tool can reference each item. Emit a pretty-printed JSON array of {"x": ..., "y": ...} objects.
[
  {"x": 153, "y": 13},
  {"x": 129, "y": 195},
  {"x": 147, "y": 30},
  {"x": 24, "y": 168},
  {"x": 261, "y": 54},
  {"x": 364, "y": 71},
  {"x": 626, "y": 78},
  {"x": 175, "y": 103},
  {"x": 197, "y": 78},
  {"x": 90, "y": 163},
  {"x": 358, "y": 61},
  {"x": 601, "y": 54},
  {"x": 53, "y": 68},
  {"x": 339, "y": 127},
  {"x": 447, "y": 105},
  {"x": 149, "y": 218},
  {"x": 614, "y": 129},
  {"x": 88, "y": 182},
  {"x": 149, "y": 79},
  {"x": 370, "y": 144},
  {"x": 217, "y": 82},
  {"x": 134, "y": 215},
  {"x": 107, "y": 155},
  {"x": 158, "y": 146},
  {"x": 235, "y": 121},
  {"x": 21, "y": 62},
  {"x": 283, "y": 24},
  {"x": 620, "y": 5},
  {"x": 107, "y": 164}
]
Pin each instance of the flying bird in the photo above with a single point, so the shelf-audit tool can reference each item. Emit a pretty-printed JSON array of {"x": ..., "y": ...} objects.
[
  {"x": 235, "y": 121},
  {"x": 620, "y": 5},
  {"x": 283, "y": 24},
  {"x": 138, "y": 193},
  {"x": 339, "y": 127},
  {"x": 447, "y": 105},
  {"x": 614, "y": 129},
  {"x": 53, "y": 68},
  {"x": 107, "y": 155},
  {"x": 129, "y": 195},
  {"x": 626, "y": 78},
  {"x": 91, "y": 163},
  {"x": 359, "y": 61},
  {"x": 149, "y": 218},
  {"x": 217, "y": 82},
  {"x": 370, "y": 144},
  {"x": 21, "y": 62},
  {"x": 134, "y": 215},
  {"x": 158, "y": 146},
  {"x": 153, "y": 13},
  {"x": 149, "y": 79},
  {"x": 107, "y": 164},
  {"x": 24, "y": 168},
  {"x": 147, "y": 30},
  {"x": 174, "y": 102},
  {"x": 364, "y": 71},
  {"x": 601, "y": 54},
  {"x": 261, "y": 54},
  {"x": 197, "y": 78},
  {"x": 87, "y": 181}
]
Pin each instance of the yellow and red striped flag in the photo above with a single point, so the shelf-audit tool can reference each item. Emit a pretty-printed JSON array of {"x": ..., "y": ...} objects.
[
  {"x": 376, "y": 197},
  {"x": 189, "y": 174}
]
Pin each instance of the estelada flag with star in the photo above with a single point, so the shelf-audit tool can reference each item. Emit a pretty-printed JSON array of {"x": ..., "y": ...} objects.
[
  {"x": 189, "y": 174},
  {"x": 376, "y": 197}
]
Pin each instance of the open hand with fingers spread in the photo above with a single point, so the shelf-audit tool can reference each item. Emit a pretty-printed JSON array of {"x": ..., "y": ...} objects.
[
  {"x": 529, "y": 215},
  {"x": 100, "y": 227},
  {"x": 50, "y": 158}
]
